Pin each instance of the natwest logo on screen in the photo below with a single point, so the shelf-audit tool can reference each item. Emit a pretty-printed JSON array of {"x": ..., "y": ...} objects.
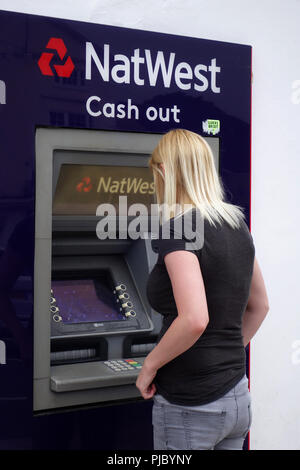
[
  {"x": 85, "y": 185},
  {"x": 46, "y": 64}
]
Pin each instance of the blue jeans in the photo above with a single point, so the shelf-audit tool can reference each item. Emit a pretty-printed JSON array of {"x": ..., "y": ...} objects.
[{"x": 220, "y": 425}]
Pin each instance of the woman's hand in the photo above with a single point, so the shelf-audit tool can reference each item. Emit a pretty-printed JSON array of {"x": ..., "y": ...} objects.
[{"x": 145, "y": 381}]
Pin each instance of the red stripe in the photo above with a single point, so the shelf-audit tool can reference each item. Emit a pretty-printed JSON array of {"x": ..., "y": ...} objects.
[{"x": 250, "y": 210}]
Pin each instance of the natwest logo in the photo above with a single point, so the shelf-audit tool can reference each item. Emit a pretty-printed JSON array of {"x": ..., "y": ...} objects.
[
  {"x": 44, "y": 62},
  {"x": 139, "y": 67},
  {"x": 151, "y": 68},
  {"x": 85, "y": 185}
]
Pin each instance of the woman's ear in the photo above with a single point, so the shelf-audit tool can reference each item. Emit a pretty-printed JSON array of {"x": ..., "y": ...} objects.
[{"x": 161, "y": 166}]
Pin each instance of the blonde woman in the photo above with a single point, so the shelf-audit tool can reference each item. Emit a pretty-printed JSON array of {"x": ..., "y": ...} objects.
[{"x": 212, "y": 298}]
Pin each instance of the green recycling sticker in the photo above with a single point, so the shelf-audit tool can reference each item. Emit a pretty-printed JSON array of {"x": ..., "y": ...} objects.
[{"x": 211, "y": 126}]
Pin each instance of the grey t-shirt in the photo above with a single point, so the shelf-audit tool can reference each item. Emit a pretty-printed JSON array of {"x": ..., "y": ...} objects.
[{"x": 216, "y": 362}]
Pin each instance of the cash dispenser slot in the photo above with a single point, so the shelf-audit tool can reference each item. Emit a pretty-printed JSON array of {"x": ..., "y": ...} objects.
[
  {"x": 78, "y": 350},
  {"x": 139, "y": 346}
]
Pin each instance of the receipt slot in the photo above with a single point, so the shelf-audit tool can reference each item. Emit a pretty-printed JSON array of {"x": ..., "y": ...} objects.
[{"x": 93, "y": 324}]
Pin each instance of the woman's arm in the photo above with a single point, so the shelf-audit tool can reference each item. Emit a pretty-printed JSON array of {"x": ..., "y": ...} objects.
[
  {"x": 257, "y": 307},
  {"x": 188, "y": 288}
]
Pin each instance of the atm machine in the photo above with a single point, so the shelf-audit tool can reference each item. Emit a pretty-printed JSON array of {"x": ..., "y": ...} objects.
[
  {"x": 93, "y": 334},
  {"x": 96, "y": 326},
  {"x": 75, "y": 138}
]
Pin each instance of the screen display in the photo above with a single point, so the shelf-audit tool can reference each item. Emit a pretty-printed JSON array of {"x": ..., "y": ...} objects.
[
  {"x": 86, "y": 300},
  {"x": 81, "y": 188}
]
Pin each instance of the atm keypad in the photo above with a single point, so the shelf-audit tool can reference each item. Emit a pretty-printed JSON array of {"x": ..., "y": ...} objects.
[{"x": 123, "y": 364}]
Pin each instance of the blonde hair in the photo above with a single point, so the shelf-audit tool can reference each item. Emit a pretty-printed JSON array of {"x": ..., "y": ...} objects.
[{"x": 190, "y": 177}]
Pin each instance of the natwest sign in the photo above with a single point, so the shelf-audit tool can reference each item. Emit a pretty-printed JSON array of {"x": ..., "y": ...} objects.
[
  {"x": 142, "y": 67},
  {"x": 148, "y": 68}
]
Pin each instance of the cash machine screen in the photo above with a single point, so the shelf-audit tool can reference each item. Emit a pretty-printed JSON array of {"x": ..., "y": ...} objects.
[
  {"x": 85, "y": 300},
  {"x": 81, "y": 188}
]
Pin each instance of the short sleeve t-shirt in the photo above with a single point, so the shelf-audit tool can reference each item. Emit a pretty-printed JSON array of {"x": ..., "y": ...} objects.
[{"x": 217, "y": 361}]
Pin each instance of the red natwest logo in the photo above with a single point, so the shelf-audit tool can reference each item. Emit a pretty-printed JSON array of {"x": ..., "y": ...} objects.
[
  {"x": 85, "y": 185},
  {"x": 63, "y": 70}
]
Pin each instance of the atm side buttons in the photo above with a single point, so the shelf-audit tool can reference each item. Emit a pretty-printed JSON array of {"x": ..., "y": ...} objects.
[{"x": 126, "y": 305}]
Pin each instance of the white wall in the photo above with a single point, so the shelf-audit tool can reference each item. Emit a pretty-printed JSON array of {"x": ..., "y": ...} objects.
[{"x": 272, "y": 28}]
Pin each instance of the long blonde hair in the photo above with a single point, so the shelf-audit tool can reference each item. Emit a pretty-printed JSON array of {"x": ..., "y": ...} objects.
[{"x": 190, "y": 177}]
